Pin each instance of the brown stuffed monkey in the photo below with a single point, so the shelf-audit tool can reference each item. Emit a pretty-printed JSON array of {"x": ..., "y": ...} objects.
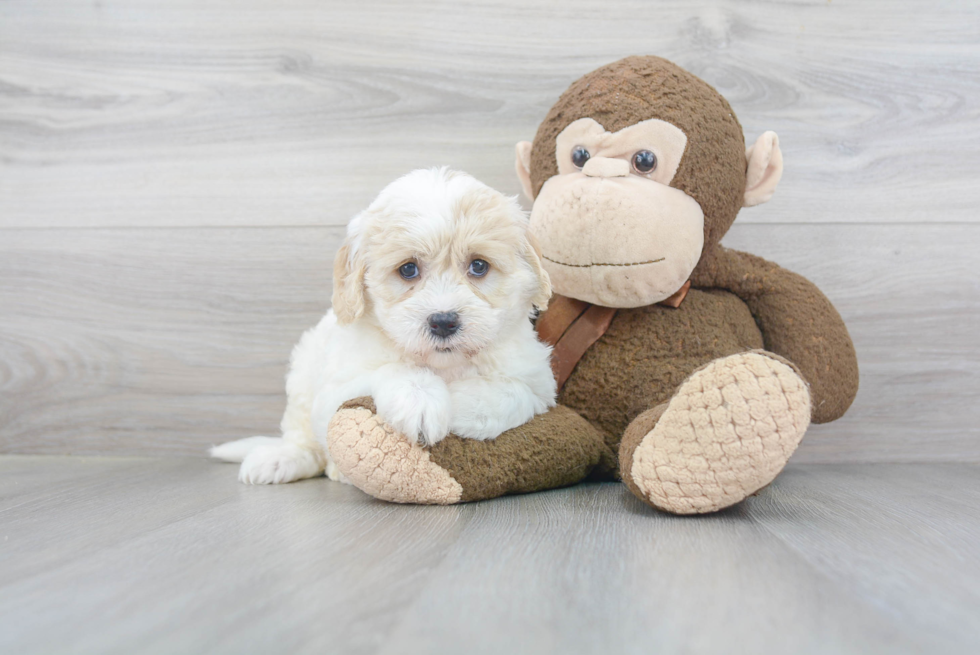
[{"x": 687, "y": 370}]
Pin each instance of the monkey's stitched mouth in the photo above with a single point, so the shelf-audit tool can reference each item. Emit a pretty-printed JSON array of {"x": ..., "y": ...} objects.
[{"x": 555, "y": 261}]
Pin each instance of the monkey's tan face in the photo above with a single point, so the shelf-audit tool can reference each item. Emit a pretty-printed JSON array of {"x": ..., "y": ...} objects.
[{"x": 612, "y": 230}]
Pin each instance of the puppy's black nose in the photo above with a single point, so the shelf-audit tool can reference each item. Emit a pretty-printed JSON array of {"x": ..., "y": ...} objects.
[{"x": 444, "y": 324}]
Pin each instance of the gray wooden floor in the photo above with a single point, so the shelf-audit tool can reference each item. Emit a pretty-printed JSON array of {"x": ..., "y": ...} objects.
[{"x": 127, "y": 555}]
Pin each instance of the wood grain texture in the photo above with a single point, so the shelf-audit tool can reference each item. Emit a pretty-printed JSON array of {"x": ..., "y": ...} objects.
[
  {"x": 169, "y": 555},
  {"x": 152, "y": 341},
  {"x": 298, "y": 112},
  {"x": 161, "y": 341}
]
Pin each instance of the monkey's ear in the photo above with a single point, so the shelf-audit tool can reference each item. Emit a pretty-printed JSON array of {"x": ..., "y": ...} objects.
[
  {"x": 543, "y": 292},
  {"x": 765, "y": 167},
  {"x": 348, "y": 284},
  {"x": 523, "y": 167}
]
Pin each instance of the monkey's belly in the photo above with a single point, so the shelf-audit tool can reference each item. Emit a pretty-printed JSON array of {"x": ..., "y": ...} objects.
[{"x": 649, "y": 351}]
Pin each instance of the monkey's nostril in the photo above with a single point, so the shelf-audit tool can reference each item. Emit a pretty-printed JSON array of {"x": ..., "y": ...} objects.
[
  {"x": 606, "y": 167},
  {"x": 443, "y": 324}
]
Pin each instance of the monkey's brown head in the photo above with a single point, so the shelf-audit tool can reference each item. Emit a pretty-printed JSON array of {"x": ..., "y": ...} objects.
[{"x": 637, "y": 171}]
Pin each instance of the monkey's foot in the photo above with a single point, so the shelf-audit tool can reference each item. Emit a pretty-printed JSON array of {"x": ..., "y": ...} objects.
[
  {"x": 385, "y": 464},
  {"x": 554, "y": 449},
  {"x": 726, "y": 433}
]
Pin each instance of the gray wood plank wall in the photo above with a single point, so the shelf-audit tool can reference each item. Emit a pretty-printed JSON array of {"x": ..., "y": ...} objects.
[{"x": 174, "y": 179}]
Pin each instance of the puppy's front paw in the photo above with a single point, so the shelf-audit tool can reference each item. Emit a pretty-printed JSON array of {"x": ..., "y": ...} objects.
[
  {"x": 475, "y": 416},
  {"x": 418, "y": 406},
  {"x": 483, "y": 410}
]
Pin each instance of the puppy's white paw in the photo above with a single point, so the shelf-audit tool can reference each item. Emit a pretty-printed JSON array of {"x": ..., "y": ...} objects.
[
  {"x": 483, "y": 410},
  {"x": 475, "y": 417},
  {"x": 279, "y": 464},
  {"x": 418, "y": 405}
]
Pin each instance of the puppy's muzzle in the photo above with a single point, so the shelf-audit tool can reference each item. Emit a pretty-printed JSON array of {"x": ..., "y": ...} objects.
[{"x": 444, "y": 324}]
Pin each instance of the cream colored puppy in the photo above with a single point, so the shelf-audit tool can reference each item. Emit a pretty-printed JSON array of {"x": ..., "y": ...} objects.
[{"x": 433, "y": 290}]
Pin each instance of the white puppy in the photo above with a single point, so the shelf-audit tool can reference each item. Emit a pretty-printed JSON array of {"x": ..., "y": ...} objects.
[{"x": 433, "y": 290}]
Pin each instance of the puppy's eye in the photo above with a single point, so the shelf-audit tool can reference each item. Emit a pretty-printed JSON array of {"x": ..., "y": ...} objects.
[
  {"x": 579, "y": 156},
  {"x": 409, "y": 271},
  {"x": 644, "y": 161},
  {"x": 478, "y": 268}
]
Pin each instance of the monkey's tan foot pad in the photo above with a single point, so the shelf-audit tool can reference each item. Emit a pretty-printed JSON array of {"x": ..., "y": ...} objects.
[
  {"x": 383, "y": 463},
  {"x": 726, "y": 433}
]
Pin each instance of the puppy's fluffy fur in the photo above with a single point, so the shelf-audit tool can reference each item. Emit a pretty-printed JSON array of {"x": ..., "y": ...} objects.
[{"x": 491, "y": 375}]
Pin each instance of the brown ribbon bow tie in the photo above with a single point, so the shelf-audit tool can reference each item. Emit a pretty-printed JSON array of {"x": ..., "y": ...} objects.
[{"x": 571, "y": 326}]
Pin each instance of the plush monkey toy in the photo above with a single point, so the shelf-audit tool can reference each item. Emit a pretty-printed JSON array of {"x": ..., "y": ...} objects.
[{"x": 687, "y": 370}]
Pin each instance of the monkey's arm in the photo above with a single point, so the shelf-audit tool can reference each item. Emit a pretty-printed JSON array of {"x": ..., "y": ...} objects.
[{"x": 797, "y": 322}]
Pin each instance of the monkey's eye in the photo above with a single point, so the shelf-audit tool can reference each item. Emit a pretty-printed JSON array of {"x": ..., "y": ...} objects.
[
  {"x": 579, "y": 156},
  {"x": 409, "y": 271},
  {"x": 644, "y": 161},
  {"x": 478, "y": 268}
]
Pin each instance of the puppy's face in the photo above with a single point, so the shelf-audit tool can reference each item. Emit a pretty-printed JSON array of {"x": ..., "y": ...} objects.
[{"x": 442, "y": 264}]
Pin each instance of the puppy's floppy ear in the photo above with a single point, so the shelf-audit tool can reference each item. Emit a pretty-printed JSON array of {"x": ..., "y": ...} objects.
[
  {"x": 348, "y": 280},
  {"x": 533, "y": 256}
]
